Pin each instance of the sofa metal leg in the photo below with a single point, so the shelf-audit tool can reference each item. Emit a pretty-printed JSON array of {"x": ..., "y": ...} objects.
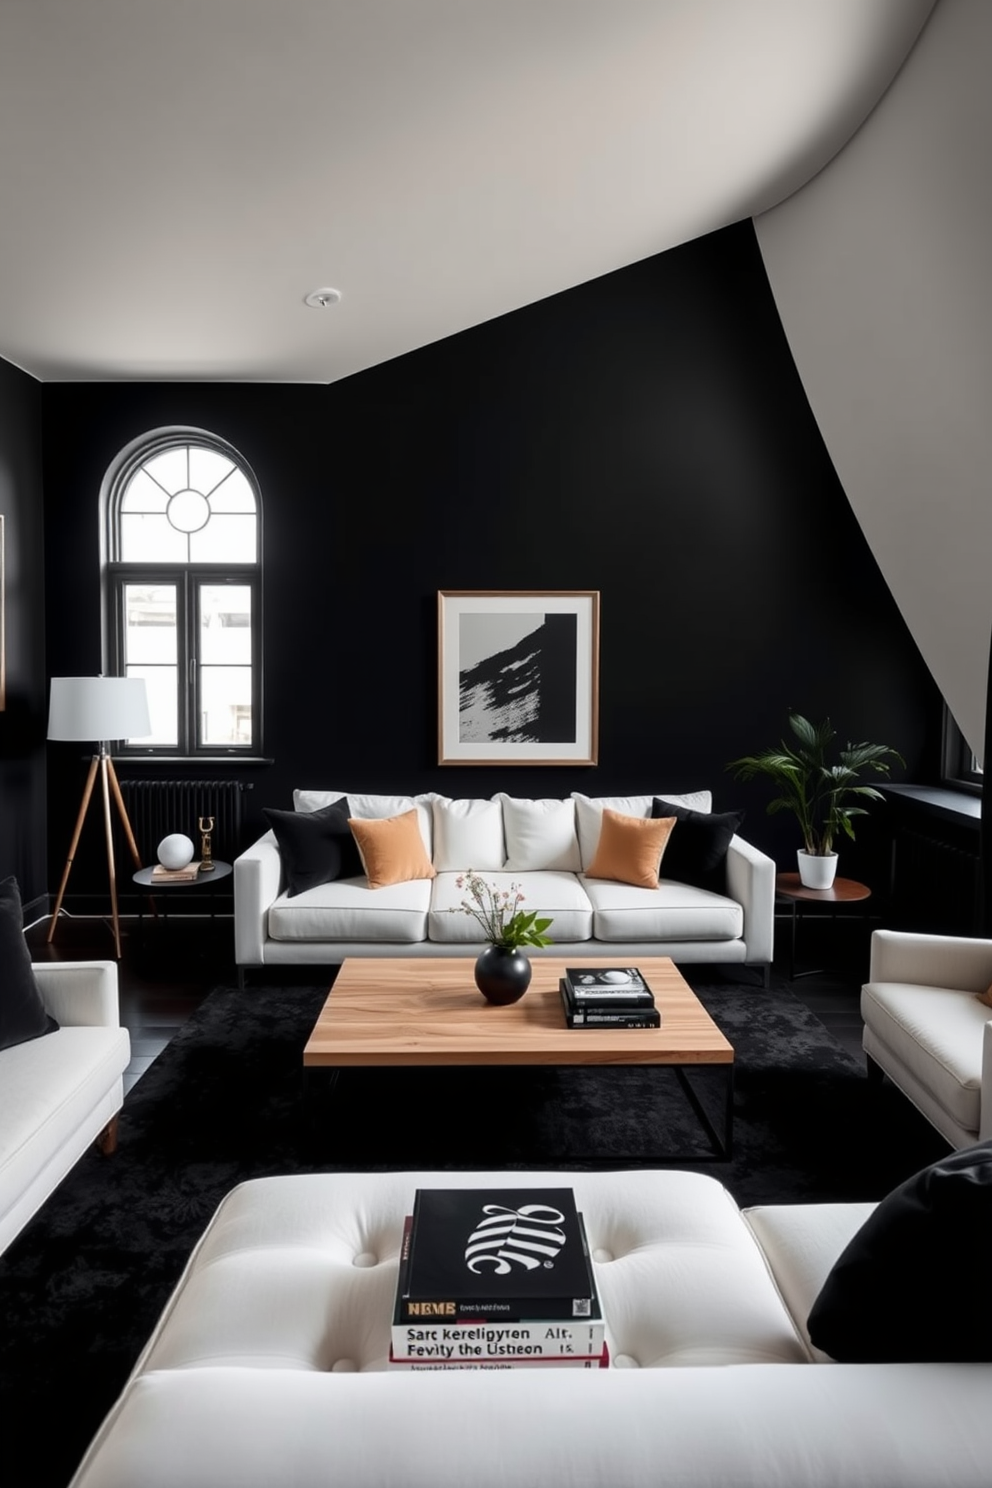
[
  {"x": 241, "y": 979},
  {"x": 876, "y": 1074},
  {"x": 766, "y": 980},
  {"x": 107, "y": 1140}
]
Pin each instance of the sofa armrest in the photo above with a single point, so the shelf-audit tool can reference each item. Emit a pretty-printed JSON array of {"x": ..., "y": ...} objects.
[
  {"x": 80, "y": 994},
  {"x": 985, "y": 1108},
  {"x": 957, "y": 962},
  {"x": 751, "y": 881},
  {"x": 258, "y": 879}
]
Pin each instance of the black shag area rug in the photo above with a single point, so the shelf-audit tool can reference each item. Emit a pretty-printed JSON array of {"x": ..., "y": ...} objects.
[{"x": 85, "y": 1281}]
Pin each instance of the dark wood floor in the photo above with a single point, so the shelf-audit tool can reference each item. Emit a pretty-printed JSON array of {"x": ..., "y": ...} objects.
[{"x": 168, "y": 967}]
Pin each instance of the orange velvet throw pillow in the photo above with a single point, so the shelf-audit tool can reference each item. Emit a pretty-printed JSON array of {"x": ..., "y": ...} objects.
[
  {"x": 392, "y": 849},
  {"x": 985, "y": 996},
  {"x": 630, "y": 848}
]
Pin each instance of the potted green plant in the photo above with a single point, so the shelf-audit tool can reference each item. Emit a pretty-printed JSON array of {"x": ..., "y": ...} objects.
[
  {"x": 823, "y": 792},
  {"x": 502, "y": 971}
]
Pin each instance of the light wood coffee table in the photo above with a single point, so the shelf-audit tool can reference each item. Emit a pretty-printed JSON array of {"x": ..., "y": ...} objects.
[{"x": 427, "y": 1011}]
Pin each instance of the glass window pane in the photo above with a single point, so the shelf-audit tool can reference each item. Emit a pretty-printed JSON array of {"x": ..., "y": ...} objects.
[
  {"x": 224, "y": 540},
  {"x": 142, "y": 494},
  {"x": 147, "y": 539},
  {"x": 225, "y": 624},
  {"x": 225, "y": 706},
  {"x": 207, "y": 468},
  {"x": 169, "y": 469},
  {"x": 150, "y": 629},
  {"x": 235, "y": 495},
  {"x": 163, "y": 708}
]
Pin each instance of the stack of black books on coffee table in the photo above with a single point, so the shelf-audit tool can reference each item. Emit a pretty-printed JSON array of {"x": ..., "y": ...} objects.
[{"x": 607, "y": 997}]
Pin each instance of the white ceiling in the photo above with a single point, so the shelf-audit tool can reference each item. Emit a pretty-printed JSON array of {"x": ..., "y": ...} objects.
[{"x": 177, "y": 175}]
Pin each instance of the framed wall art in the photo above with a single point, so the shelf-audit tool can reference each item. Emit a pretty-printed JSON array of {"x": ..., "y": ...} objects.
[{"x": 518, "y": 677}]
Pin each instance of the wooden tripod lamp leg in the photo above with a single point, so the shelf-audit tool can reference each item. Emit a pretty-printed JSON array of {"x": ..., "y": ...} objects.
[
  {"x": 87, "y": 792},
  {"x": 111, "y": 868}
]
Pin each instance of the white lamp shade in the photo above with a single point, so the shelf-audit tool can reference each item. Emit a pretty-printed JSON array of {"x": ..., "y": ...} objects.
[{"x": 98, "y": 708}]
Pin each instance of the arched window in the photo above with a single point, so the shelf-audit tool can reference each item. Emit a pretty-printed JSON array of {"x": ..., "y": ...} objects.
[{"x": 182, "y": 591}]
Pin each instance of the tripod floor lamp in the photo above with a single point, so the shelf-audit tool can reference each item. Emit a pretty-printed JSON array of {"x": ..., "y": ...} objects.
[{"x": 88, "y": 709}]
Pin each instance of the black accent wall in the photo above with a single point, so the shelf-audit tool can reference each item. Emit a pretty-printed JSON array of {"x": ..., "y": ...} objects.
[
  {"x": 23, "y": 722},
  {"x": 646, "y": 435}
]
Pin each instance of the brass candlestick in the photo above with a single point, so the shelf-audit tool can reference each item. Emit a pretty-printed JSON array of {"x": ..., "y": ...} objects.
[{"x": 206, "y": 825}]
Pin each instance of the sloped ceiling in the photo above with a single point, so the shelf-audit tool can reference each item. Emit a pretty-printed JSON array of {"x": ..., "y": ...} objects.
[{"x": 177, "y": 175}]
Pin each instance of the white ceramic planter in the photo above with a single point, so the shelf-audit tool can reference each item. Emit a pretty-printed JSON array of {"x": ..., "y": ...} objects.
[{"x": 816, "y": 871}]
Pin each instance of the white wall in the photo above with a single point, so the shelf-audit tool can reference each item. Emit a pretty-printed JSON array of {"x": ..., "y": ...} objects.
[{"x": 882, "y": 270}]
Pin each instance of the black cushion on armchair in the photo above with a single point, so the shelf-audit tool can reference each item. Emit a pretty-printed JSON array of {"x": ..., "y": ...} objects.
[
  {"x": 316, "y": 846},
  {"x": 22, "y": 1012},
  {"x": 914, "y": 1285}
]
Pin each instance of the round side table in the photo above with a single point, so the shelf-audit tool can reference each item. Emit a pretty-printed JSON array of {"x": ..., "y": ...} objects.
[
  {"x": 788, "y": 886},
  {"x": 205, "y": 881}
]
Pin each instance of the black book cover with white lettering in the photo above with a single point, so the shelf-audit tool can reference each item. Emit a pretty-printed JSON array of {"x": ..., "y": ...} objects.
[
  {"x": 595, "y": 1016},
  {"x": 497, "y": 1253}
]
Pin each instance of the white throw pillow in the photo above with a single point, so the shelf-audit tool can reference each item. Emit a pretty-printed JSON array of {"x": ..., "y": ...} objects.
[
  {"x": 540, "y": 835},
  {"x": 589, "y": 813},
  {"x": 467, "y": 834},
  {"x": 370, "y": 808}
]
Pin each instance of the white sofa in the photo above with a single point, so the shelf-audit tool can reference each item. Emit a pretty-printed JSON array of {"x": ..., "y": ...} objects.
[
  {"x": 269, "y": 1362},
  {"x": 533, "y": 843},
  {"x": 925, "y": 1028},
  {"x": 60, "y": 1093}
]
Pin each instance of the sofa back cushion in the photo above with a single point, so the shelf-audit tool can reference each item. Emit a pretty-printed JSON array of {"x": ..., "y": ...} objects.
[
  {"x": 23, "y": 1015},
  {"x": 467, "y": 834},
  {"x": 540, "y": 835},
  {"x": 589, "y": 813},
  {"x": 372, "y": 808}
]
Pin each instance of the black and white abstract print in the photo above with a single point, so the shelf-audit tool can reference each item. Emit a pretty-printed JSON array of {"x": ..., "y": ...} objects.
[{"x": 517, "y": 678}]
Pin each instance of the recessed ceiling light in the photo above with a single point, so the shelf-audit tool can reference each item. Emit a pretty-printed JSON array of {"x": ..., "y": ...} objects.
[{"x": 321, "y": 298}]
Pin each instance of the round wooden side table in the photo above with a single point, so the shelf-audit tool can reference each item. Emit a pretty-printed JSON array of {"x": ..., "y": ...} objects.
[{"x": 789, "y": 887}]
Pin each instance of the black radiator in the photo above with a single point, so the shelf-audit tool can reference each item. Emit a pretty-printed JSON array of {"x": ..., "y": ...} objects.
[{"x": 157, "y": 808}]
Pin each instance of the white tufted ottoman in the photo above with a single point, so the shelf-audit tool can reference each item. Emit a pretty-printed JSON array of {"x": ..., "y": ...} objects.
[{"x": 268, "y": 1366}]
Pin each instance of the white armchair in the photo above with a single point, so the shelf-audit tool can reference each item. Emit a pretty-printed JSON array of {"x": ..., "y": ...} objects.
[
  {"x": 926, "y": 1029},
  {"x": 62, "y": 1092}
]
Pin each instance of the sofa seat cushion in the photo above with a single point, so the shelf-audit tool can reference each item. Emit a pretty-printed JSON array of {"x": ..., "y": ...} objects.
[
  {"x": 49, "y": 1088},
  {"x": 672, "y": 911},
  {"x": 348, "y": 910},
  {"x": 801, "y": 1242},
  {"x": 937, "y": 1035},
  {"x": 559, "y": 895}
]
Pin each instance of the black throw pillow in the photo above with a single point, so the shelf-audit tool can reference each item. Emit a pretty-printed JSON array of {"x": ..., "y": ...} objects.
[
  {"x": 316, "y": 846},
  {"x": 697, "y": 849},
  {"x": 22, "y": 1012},
  {"x": 914, "y": 1285}
]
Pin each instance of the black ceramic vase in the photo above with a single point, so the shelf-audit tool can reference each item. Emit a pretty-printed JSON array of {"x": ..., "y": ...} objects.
[{"x": 502, "y": 974}]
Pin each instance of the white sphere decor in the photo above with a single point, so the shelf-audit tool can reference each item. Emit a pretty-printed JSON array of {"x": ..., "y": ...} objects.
[{"x": 175, "y": 851}]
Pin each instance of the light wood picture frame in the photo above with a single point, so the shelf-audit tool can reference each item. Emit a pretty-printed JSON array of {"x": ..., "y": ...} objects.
[{"x": 518, "y": 677}]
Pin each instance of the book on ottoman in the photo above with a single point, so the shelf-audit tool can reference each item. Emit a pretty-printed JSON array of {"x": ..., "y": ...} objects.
[
  {"x": 600, "y": 1015},
  {"x": 507, "y": 1255},
  {"x": 608, "y": 986}
]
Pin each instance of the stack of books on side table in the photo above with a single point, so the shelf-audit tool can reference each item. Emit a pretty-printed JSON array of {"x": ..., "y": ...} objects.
[
  {"x": 161, "y": 874},
  {"x": 496, "y": 1279},
  {"x": 607, "y": 997}
]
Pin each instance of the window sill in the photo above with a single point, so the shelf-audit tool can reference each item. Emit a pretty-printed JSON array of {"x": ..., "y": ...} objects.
[
  {"x": 939, "y": 798},
  {"x": 194, "y": 761}
]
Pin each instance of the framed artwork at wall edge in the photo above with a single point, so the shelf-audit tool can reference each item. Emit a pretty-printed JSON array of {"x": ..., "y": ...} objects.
[{"x": 518, "y": 677}]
